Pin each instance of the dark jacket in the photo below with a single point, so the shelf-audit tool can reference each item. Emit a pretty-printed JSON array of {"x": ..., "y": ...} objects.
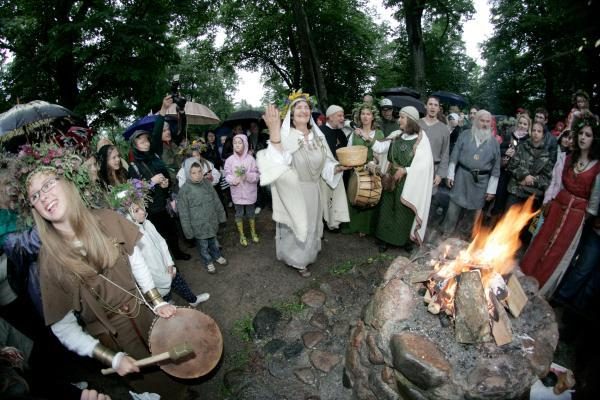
[
  {"x": 534, "y": 161},
  {"x": 335, "y": 138}
]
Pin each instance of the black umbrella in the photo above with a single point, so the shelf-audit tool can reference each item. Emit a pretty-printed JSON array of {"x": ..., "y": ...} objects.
[
  {"x": 243, "y": 117},
  {"x": 404, "y": 101},
  {"x": 399, "y": 91},
  {"x": 450, "y": 98},
  {"x": 32, "y": 122}
]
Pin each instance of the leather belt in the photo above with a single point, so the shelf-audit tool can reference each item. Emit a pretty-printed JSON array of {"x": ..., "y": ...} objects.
[{"x": 475, "y": 172}]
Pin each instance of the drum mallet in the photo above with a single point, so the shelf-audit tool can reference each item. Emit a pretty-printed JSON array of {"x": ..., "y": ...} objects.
[{"x": 174, "y": 354}]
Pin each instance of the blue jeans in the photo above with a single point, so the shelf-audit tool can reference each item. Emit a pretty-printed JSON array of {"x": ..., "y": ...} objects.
[
  {"x": 582, "y": 279},
  {"x": 208, "y": 249}
]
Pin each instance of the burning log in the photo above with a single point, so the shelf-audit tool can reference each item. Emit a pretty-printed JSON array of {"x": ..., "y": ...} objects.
[
  {"x": 472, "y": 322},
  {"x": 501, "y": 326},
  {"x": 517, "y": 298}
]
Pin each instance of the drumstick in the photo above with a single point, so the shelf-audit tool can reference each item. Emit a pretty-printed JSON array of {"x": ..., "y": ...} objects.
[{"x": 174, "y": 354}]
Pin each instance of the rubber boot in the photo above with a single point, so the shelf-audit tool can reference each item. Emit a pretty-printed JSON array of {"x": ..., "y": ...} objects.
[
  {"x": 240, "y": 228},
  {"x": 252, "y": 223}
]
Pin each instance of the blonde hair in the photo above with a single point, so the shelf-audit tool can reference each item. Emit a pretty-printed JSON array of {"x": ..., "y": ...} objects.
[
  {"x": 100, "y": 251},
  {"x": 529, "y": 124}
]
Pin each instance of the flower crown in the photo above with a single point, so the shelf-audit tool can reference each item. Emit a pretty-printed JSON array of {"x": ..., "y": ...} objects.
[
  {"x": 135, "y": 191},
  {"x": 360, "y": 106},
  {"x": 587, "y": 119},
  {"x": 296, "y": 95},
  {"x": 197, "y": 144},
  {"x": 65, "y": 162}
]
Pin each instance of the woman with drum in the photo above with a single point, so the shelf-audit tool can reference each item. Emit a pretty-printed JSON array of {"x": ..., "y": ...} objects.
[
  {"x": 407, "y": 183},
  {"x": 306, "y": 182},
  {"x": 91, "y": 274},
  {"x": 363, "y": 219}
]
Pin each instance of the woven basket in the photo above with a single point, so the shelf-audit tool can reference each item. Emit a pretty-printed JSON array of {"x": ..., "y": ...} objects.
[{"x": 353, "y": 156}]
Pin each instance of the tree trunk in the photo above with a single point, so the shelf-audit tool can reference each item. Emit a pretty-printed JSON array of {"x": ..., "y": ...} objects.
[
  {"x": 309, "y": 56},
  {"x": 64, "y": 65},
  {"x": 413, "y": 12}
]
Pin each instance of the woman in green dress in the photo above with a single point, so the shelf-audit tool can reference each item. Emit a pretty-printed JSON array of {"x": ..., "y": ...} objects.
[
  {"x": 363, "y": 220},
  {"x": 403, "y": 212}
]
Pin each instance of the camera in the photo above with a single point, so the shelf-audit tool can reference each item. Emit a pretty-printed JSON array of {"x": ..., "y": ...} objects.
[{"x": 177, "y": 98}]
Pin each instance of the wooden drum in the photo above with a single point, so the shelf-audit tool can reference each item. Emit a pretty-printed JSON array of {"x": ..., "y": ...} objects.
[{"x": 364, "y": 188}]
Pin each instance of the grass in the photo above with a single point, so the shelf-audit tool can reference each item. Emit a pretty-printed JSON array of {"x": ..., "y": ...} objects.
[
  {"x": 347, "y": 266},
  {"x": 288, "y": 309},
  {"x": 243, "y": 329}
]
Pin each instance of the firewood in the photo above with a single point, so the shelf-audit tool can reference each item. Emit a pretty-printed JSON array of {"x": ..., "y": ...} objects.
[
  {"x": 501, "y": 328},
  {"x": 420, "y": 276},
  {"x": 516, "y": 296},
  {"x": 472, "y": 323},
  {"x": 427, "y": 297},
  {"x": 434, "y": 307}
]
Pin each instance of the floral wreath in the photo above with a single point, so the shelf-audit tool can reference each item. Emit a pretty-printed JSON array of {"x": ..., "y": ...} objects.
[
  {"x": 293, "y": 97},
  {"x": 588, "y": 119},
  {"x": 65, "y": 162},
  {"x": 197, "y": 144},
  {"x": 360, "y": 106},
  {"x": 135, "y": 191}
]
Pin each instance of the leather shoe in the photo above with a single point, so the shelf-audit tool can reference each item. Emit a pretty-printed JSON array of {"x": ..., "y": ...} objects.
[{"x": 182, "y": 256}]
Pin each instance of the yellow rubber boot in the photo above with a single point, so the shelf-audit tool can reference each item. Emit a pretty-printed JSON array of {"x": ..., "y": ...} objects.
[
  {"x": 252, "y": 223},
  {"x": 240, "y": 228}
]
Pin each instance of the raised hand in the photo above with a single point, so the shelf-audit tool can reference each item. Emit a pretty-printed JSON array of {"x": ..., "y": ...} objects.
[{"x": 271, "y": 117}]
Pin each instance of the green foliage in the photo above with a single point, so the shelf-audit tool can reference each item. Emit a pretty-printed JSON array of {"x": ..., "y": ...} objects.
[
  {"x": 540, "y": 53},
  {"x": 288, "y": 309},
  {"x": 243, "y": 329},
  {"x": 349, "y": 265}
]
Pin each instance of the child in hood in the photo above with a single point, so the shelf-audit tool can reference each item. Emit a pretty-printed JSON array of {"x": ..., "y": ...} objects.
[
  {"x": 200, "y": 213},
  {"x": 242, "y": 175}
]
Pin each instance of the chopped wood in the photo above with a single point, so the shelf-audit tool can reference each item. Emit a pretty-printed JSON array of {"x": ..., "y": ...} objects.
[
  {"x": 501, "y": 328},
  {"x": 427, "y": 297},
  {"x": 516, "y": 296},
  {"x": 434, "y": 307},
  {"x": 472, "y": 323},
  {"x": 420, "y": 276}
]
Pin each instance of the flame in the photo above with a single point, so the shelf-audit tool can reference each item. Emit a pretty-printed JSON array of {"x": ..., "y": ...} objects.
[{"x": 492, "y": 251}]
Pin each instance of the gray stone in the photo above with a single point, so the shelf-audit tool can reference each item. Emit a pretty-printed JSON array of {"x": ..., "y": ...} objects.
[
  {"x": 292, "y": 350},
  {"x": 407, "y": 389},
  {"x": 375, "y": 356},
  {"x": 324, "y": 361},
  {"x": 273, "y": 346},
  {"x": 265, "y": 322},
  {"x": 502, "y": 377},
  {"x": 319, "y": 320},
  {"x": 313, "y": 298},
  {"x": 449, "y": 247},
  {"x": 312, "y": 339},
  {"x": 236, "y": 378},
  {"x": 256, "y": 391},
  {"x": 279, "y": 367},
  {"x": 381, "y": 389},
  {"x": 419, "y": 359},
  {"x": 397, "y": 269},
  {"x": 306, "y": 375},
  {"x": 294, "y": 329},
  {"x": 392, "y": 302},
  {"x": 472, "y": 322}
]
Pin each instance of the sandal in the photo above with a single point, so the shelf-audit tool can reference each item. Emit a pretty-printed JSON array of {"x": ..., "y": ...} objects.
[{"x": 304, "y": 272}]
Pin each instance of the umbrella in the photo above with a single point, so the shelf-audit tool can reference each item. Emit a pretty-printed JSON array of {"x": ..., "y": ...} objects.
[
  {"x": 196, "y": 113},
  {"x": 399, "y": 91},
  {"x": 24, "y": 118},
  {"x": 143, "y": 124},
  {"x": 243, "y": 117},
  {"x": 404, "y": 101},
  {"x": 450, "y": 98}
]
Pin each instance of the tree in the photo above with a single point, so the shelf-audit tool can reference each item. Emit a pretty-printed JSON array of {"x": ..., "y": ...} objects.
[
  {"x": 540, "y": 53},
  {"x": 326, "y": 48},
  {"x": 428, "y": 53},
  {"x": 105, "y": 60}
]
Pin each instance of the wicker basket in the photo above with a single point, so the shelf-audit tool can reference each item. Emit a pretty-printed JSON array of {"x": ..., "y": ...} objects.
[{"x": 352, "y": 156}]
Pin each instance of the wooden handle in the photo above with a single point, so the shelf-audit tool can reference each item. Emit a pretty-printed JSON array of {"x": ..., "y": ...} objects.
[{"x": 141, "y": 363}]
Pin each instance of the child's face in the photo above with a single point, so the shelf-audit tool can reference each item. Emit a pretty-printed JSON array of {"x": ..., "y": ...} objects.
[
  {"x": 238, "y": 145},
  {"x": 523, "y": 124},
  {"x": 196, "y": 174},
  {"x": 196, "y": 155},
  {"x": 138, "y": 213},
  {"x": 142, "y": 143},
  {"x": 210, "y": 137}
]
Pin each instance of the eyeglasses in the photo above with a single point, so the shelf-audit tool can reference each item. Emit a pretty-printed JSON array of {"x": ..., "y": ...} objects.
[{"x": 46, "y": 187}]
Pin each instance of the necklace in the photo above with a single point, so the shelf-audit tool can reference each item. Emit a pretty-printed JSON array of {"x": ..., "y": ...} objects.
[{"x": 581, "y": 166}]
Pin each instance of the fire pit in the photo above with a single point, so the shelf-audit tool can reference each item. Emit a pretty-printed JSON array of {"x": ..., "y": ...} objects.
[{"x": 458, "y": 325}]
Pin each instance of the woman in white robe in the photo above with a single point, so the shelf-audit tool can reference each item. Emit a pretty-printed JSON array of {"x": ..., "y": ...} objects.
[{"x": 305, "y": 181}]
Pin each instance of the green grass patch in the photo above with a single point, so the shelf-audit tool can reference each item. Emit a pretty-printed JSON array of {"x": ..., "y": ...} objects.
[
  {"x": 243, "y": 329},
  {"x": 347, "y": 266},
  {"x": 289, "y": 308}
]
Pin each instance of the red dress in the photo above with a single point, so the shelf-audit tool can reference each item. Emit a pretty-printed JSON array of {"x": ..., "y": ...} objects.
[{"x": 558, "y": 236}]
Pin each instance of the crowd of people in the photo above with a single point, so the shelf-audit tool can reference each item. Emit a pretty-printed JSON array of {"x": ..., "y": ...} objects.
[{"x": 97, "y": 276}]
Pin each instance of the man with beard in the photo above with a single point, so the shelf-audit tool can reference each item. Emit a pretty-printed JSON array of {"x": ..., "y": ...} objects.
[
  {"x": 333, "y": 128},
  {"x": 473, "y": 171},
  {"x": 439, "y": 139},
  {"x": 388, "y": 123}
]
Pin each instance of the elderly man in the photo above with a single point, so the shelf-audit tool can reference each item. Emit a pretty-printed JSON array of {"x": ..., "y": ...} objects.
[
  {"x": 473, "y": 171},
  {"x": 388, "y": 123},
  {"x": 439, "y": 139},
  {"x": 333, "y": 128}
]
